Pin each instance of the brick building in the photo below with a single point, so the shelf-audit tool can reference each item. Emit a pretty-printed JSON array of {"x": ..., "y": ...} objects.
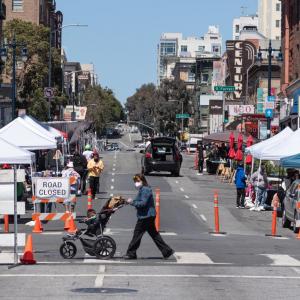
[{"x": 290, "y": 81}]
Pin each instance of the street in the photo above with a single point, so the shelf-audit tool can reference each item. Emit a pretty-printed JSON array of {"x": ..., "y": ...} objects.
[{"x": 242, "y": 264}]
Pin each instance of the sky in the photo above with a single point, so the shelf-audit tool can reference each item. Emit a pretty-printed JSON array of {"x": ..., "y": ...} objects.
[{"x": 122, "y": 35}]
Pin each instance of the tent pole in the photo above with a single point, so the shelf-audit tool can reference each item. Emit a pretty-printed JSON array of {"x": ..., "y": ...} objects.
[{"x": 15, "y": 218}]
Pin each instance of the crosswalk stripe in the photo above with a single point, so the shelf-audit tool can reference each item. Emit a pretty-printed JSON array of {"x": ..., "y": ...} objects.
[
  {"x": 192, "y": 258},
  {"x": 282, "y": 260}
]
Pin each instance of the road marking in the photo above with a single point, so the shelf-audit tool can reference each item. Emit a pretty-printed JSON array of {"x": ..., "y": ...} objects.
[
  {"x": 52, "y": 233},
  {"x": 112, "y": 187},
  {"x": 182, "y": 189},
  {"x": 124, "y": 144},
  {"x": 114, "y": 169},
  {"x": 113, "y": 174},
  {"x": 156, "y": 276},
  {"x": 296, "y": 270},
  {"x": 100, "y": 278},
  {"x": 176, "y": 182},
  {"x": 186, "y": 197},
  {"x": 192, "y": 258},
  {"x": 129, "y": 137},
  {"x": 168, "y": 233},
  {"x": 114, "y": 165},
  {"x": 111, "y": 195},
  {"x": 283, "y": 260},
  {"x": 195, "y": 206},
  {"x": 112, "y": 180},
  {"x": 203, "y": 218}
]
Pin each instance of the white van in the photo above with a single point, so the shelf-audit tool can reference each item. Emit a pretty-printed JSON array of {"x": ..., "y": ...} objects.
[{"x": 192, "y": 145}]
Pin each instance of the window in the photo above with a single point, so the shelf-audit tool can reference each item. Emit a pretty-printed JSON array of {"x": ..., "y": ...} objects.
[
  {"x": 204, "y": 78},
  {"x": 17, "y": 5},
  {"x": 277, "y": 23},
  {"x": 216, "y": 49},
  {"x": 168, "y": 48},
  {"x": 237, "y": 28},
  {"x": 201, "y": 48},
  {"x": 278, "y": 7},
  {"x": 184, "y": 48}
]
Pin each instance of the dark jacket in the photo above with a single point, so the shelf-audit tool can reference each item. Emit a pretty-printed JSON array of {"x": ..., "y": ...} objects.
[
  {"x": 144, "y": 203},
  {"x": 240, "y": 178},
  {"x": 80, "y": 163}
]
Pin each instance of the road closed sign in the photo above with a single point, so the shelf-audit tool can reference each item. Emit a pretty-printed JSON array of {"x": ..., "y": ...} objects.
[{"x": 52, "y": 188}]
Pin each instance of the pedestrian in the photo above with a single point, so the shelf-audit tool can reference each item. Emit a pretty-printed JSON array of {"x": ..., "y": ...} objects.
[
  {"x": 240, "y": 183},
  {"x": 95, "y": 167},
  {"x": 260, "y": 182},
  {"x": 144, "y": 204},
  {"x": 80, "y": 166},
  {"x": 69, "y": 172},
  {"x": 200, "y": 158},
  {"x": 88, "y": 153}
]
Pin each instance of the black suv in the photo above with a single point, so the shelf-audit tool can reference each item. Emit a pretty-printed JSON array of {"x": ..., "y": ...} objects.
[{"x": 162, "y": 154}]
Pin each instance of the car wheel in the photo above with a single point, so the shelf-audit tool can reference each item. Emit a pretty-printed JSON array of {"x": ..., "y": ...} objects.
[
  {"x": 295, "y": 228},
  {"x": 286, "y": 223}
]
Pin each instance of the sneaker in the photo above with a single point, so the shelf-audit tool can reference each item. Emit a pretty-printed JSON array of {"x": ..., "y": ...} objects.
[
  {"x": 253, "y": 208},
  {"x": 237, "y": 206},
  {"x": 169, "y": 254},
  {"x": 261, "y": 208},
  {"x": 242, "y": 206}
]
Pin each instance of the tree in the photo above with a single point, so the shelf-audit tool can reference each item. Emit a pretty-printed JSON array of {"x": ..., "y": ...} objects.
[
  {"x": 32, "y": 77},
  {"x": 103, "y": 107},
  {"x": 158, "y": 106}
]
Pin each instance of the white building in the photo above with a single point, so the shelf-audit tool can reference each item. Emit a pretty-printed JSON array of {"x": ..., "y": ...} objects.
[
  {"x": 269, "y": 18},
  {"x": 242, "y": 23},
  {"x": 88, "y": 73},
  {"x": 173, "y": 46}
]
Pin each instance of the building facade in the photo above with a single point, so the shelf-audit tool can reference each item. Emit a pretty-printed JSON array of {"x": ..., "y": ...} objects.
[
  {"x": 290, "y": 81},
  {"x": 241, "y": 23},
  {"x": 269, "y": 18},
  {"x": 173, "y": 46}
]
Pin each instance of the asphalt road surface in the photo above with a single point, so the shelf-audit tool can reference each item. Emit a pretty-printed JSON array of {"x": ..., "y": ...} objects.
[{"x": 242, "y": 264}]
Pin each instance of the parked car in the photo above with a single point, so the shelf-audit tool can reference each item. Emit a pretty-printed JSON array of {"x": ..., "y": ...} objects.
[
  {"x": 291, "y": 207},
  {"x": 162, "y": 154}
]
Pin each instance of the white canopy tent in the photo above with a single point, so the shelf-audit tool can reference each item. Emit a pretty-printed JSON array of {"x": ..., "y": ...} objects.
[
  {"x": 10, "y": 154},
  {"x": 264, "y": 149},
  {"x": 21, "y": 134},
  {"x": 286, "y": 147},
  {"x": 44, "y": 129}
]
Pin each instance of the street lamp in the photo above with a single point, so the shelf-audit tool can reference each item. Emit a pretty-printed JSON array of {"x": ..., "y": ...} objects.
[
  {"x": 24, "y": 56},
  {"x": 269, "y": 50},
  {"x": 50, "y": 56}
]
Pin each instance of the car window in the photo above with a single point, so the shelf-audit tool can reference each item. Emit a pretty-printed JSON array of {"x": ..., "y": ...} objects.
[{"x": 293, "y": 187}]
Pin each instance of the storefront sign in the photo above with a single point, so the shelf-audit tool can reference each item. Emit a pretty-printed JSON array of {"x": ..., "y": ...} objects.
[
  {"x": 236, "y": 110},
  {"x": 52, "y": 187},
  {"x": 80, "y": 112},
  {"x": 241, "y": 55},
  {"x": 216, "y": 107}
]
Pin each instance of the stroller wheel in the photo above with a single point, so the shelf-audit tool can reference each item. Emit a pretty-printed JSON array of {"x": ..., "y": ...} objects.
[
  {"x": 68, "y": 250},
  {"x": 105, "y": 247}
]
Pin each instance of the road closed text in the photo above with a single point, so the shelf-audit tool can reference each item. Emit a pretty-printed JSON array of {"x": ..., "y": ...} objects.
[{"x": 56, "y": 187}]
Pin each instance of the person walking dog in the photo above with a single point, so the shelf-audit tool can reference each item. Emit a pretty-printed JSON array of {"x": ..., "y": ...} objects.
[{"x": 144, "y": 204}]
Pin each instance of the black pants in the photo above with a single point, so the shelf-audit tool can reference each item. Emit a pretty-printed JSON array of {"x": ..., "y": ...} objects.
[
  {"x": 200, "y": 165},
  {"x": 141, "y": 227},
  {"x": 94, "y": 185},
  {"x": 240, "y": 197},
  {"x": 83, "y": 175}
]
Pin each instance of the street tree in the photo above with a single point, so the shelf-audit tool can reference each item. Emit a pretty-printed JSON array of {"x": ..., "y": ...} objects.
[
  {"x": 103, "y": 107},
  {"x": 32, "y": 75}
]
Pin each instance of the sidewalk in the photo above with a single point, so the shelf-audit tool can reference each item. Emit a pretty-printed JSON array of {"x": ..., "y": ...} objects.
[{"x": 232, "y": 220}]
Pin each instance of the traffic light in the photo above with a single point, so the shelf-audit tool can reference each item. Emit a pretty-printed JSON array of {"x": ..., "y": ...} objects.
[{"x": 226, "y": 116}]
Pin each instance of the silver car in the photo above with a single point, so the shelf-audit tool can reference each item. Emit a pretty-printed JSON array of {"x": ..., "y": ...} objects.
[{"x": 291, "y": 210}]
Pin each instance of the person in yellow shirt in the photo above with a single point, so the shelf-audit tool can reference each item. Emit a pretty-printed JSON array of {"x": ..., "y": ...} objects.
[{"x": 95, "y": 167}]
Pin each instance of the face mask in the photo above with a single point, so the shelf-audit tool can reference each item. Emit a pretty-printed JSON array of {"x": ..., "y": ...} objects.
[{"x": 138, "y": 184}]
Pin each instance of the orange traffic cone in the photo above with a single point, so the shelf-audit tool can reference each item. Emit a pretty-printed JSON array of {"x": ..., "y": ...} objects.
[
  {"x": 67, "y": 223},
  {"x": 27, "y": 258},
  {"x": 72, "y": 228},
  {"x": 37, "y": 226}
]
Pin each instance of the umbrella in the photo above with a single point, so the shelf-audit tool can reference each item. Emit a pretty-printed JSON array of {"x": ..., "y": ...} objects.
[
  {"x": 231, "y": 153},
  {"x": 249, "y": 144},
  {"x": 239, "y": 153}
]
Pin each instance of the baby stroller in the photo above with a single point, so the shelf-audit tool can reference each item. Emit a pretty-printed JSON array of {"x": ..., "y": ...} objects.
[{"x": 93, "y": 241}]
